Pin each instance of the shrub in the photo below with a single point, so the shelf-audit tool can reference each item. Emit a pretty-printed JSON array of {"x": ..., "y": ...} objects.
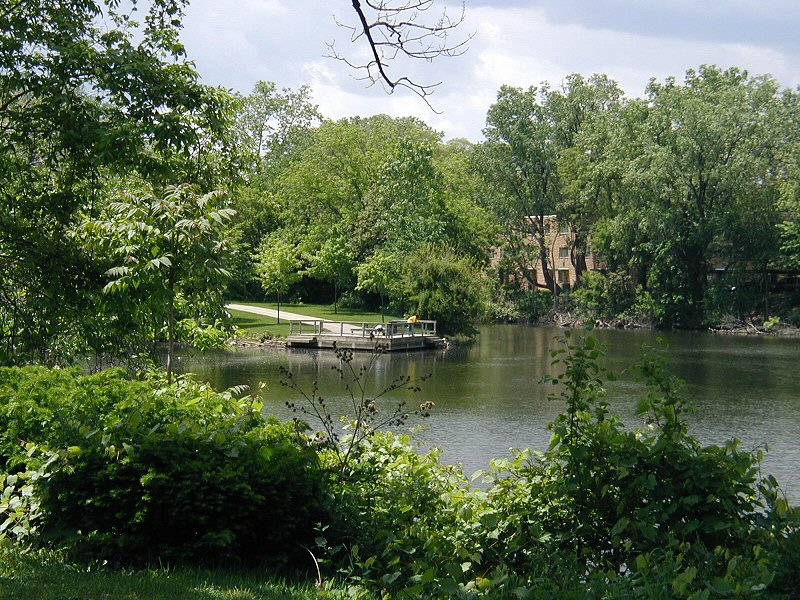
[
  {"x": 534, "y": 304},
  {"x": 181, "y": 499},
  {"x": 447, "y": 287},
  {"x": 404, "y": 522},
  {"x": 605, "y": 295},
  {"x": 154, "y": 472},
  {"x": 604, "y": 512}
]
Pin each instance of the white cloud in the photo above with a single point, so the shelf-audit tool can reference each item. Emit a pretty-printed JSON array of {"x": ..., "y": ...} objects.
[{"x": 237, "y": 42}]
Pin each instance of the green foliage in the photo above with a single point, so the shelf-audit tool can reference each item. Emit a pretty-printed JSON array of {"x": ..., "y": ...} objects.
[
  {"x": 404, "y": 522},
  {"x": 247, "y": 498},
  {"x": 88, "y": 104},
  {"x": 363, "y": 192},
  {"x": 369, "y": 413},
  {"x": 648, "y": 513},
  {"x": 278, "y": 265},
  {"x": 149, "y": 471},
  {"x": 204, "y": 337},
  {"x": 176, "y": 243},
  {"x": 444, "y": 286},
  {"x": 693, "y": 169},
  {"x": 270, "y": 126},
  {"x": 20, "y": 507},
  {"x": 604, "y": 295},
  {"x": 381, "y": 273}
]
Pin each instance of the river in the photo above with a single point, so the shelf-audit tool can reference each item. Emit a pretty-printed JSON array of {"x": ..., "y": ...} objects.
[{"x": 489, "y": 397}]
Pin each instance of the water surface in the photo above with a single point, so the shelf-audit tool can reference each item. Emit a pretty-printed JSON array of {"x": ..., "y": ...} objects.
[{"x": 489, "y": 397}]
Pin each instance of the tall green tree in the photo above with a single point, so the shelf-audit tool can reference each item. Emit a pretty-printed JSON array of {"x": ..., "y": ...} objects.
[
  {"x": 382, "y": 274},
  {"x": 582, "y": 110},
  {"x": 279, "y": 266},
  {"x": 520, "y": 159},
  {"x": 88, "y": 97},
  {"x": 169, "y": 245},
  {"x": 696, "y": 164},
  {"x": 790, "y": 183},
  {"x": 535, "y": 148},
  {"x": 270, "y": 126},
  {"x": 333, "y": 262}
]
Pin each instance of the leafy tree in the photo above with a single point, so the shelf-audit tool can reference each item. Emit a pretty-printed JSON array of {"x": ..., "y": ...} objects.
[
  {"x": 381, "y": 274},
  {"x": 408, "y": 207},
  {"x": 696, "y": 169},
  {"x": 532, "y": 156},
  {"x": 332, "y": 261},
  {"x": 169, "y": 245},
  {"x": 362, "y": 186},
  {"x": 582, "y": 110},
  {"x": 272, "y": 128},
  {"x": 519, "y": 158},
  {"x": 82, "y": 105},
  {"x": 279, "y": 266},
  {"x": 270, "y": 125},
  {"x": 469, "y": 226},
  {"x": 789, "y": 202},
  {"x": 445, "y": 286}
]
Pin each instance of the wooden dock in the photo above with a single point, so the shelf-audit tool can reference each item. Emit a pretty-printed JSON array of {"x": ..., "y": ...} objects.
[{"x": 395, "y": 336}]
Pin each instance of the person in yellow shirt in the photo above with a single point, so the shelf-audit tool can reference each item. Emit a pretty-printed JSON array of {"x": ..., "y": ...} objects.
[{"x": 411, "y": 320}]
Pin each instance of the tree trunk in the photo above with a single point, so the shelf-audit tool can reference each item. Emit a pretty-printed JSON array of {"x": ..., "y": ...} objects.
[
  {"x": 170, "y": 325},
  {"x": 578, "y": 259},
  {"x": 549, "y": 280}
]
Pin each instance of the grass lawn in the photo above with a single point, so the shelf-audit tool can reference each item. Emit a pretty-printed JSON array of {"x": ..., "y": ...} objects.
[
  {"x": 255, "y": 326},
  {"x": 45, "y": 576}
]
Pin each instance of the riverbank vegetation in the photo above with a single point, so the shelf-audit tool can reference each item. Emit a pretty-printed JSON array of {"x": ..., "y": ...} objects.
[
  {"x": 134, "y": 198},
  {"x": 134, "y": 202},
  {"x": 684, "y": 200},
  {"x": 603, "y": 512}
]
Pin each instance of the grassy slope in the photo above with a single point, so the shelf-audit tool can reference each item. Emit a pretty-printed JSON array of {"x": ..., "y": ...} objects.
[
  {"x": 255, "y": 326},
  {"x": 45, "y": 576},
  {"x": 325, "y": 311},
  {"x": 258, "y": 325}
]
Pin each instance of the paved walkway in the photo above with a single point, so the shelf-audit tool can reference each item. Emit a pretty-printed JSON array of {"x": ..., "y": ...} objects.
[{"x": 289, "y": 316}]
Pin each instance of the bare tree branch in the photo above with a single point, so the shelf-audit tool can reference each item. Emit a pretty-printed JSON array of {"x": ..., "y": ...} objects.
[{"x": 393, "y": 28}]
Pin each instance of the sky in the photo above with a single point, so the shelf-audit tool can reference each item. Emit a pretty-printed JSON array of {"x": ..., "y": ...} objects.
[{"x": 235, "y": 43}]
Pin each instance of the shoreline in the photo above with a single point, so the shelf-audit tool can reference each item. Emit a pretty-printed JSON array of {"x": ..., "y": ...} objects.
[
  {"x": 726, "y": 327},
  {"x": 740, "y": 328}
]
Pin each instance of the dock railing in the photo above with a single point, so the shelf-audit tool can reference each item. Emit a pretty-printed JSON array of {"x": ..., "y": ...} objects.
[{"x": 361, "y": 328}]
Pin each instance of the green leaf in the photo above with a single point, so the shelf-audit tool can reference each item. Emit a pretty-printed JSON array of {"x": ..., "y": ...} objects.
[{"x": 620, "y": 526}]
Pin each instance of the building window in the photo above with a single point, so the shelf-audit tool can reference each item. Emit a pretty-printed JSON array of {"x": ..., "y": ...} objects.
[
  {"x": 563, "y": 277},
  {"x": 563, "y": 252},
  {"x": 563, "y": 228}
]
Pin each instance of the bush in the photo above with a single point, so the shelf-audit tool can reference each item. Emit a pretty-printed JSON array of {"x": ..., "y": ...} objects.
[
  {"x": 604, "y": 512},
  {"x": 252, "y": 501},
  {"x": 153, "y": 472},
  {"x": 405, "y": 522},
  {"x": 603, "y": 295},
  {"x": 534, "y": 304},
  {"x": 447, "y": 287}
]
